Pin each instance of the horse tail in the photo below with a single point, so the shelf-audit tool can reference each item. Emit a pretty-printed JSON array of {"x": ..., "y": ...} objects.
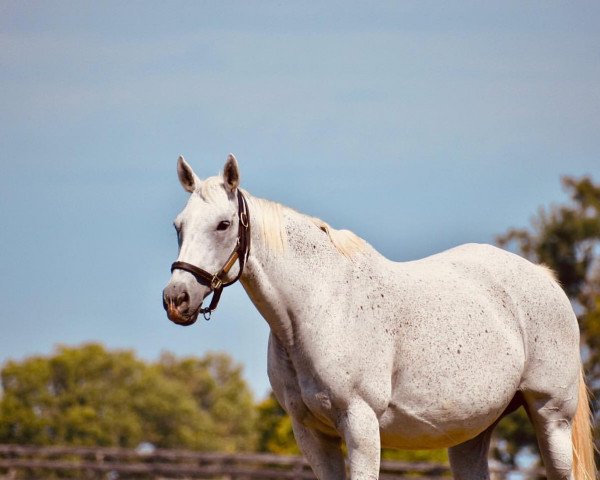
[{"x": 584, "y": 467}]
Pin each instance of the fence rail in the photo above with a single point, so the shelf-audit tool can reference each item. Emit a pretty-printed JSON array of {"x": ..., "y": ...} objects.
[{"x": 20, "y": 462}]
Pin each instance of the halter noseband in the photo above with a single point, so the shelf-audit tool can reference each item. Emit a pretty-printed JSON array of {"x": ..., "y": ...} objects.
[{"x": 240, "y": 253}]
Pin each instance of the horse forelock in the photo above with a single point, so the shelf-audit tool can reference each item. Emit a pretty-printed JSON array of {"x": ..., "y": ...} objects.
[{"x": 209, "y": 188}]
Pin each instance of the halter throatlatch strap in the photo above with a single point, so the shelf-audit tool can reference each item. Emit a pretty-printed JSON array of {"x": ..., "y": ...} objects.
[{"x": 240, "y": 254}]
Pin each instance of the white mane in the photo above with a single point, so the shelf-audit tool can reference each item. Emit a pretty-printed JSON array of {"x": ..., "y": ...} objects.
[{"x": 267, "y": 217}]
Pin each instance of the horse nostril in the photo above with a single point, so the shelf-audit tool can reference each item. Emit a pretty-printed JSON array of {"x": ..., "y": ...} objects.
[{"x": 183, "y": 297}]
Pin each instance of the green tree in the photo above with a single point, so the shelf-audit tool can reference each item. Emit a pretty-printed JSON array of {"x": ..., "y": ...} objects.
[
  {"x": 565, "y": 238},
  {"x": 90, "y": 396},
  {"x": 220, "y": 394},
  {"x": 275, "y": 432}
]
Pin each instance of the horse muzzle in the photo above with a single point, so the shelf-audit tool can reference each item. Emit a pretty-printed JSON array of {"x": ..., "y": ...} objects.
[
  {"x": 176, "y": 302},
  {"x": 177, "y": 317}
]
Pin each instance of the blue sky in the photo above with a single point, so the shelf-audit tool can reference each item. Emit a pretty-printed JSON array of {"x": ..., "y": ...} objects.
[{"x": 419, "y": 125}]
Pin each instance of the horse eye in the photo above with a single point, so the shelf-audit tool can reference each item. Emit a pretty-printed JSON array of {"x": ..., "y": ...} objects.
[{"x": 224, "y": 225}]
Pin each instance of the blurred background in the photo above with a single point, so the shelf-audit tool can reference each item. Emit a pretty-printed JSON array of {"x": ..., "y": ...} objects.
[{"x": 418, "y": 125}]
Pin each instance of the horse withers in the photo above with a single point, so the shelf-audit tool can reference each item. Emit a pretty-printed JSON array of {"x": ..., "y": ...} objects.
[{"x": 413, "y": 355}]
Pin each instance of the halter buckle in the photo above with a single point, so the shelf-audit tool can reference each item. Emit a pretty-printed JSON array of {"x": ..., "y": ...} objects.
[{"x": 216, "y": 283}]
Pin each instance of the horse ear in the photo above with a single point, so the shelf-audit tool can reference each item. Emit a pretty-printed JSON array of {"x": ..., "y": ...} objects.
[
  {"x": 187, "y": 177},
  {"x": 231, "y": 173}
]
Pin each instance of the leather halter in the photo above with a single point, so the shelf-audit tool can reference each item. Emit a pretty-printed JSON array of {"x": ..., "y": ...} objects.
[{"x": 240, "y": 254}]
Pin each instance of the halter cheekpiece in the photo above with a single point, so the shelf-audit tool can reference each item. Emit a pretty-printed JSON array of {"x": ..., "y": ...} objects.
[{"x": 240, "y": 254}]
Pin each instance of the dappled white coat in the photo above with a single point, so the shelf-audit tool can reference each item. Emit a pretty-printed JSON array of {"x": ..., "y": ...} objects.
[{"x": 422, "y": 354}]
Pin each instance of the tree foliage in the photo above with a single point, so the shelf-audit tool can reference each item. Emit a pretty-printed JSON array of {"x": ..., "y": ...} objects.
[
  {"x": 221, "y": 394},
  {"x": 565, "y": 238},
  {"x": 275, "y": 432},
  {"x": 91, "y": 396}
]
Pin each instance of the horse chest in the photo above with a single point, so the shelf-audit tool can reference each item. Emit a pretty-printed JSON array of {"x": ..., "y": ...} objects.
[{"x": 315, "y": 392}]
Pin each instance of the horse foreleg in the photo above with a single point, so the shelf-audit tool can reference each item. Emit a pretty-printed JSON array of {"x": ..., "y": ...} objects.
[
  {"x": 360, "y": 428},
  {"x": 469, "y": 460},
  {"x": 324, "y": 453}
]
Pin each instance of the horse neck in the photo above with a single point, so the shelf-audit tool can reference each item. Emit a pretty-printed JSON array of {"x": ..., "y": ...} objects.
[{"x": 280, "y": 279}]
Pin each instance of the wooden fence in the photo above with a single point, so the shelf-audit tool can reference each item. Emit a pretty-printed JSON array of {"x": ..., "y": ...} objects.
[{"x": 19, "y": 462}]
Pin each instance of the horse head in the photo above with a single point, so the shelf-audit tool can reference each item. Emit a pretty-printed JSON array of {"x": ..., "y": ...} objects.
[{"x": 208, "y": 229}]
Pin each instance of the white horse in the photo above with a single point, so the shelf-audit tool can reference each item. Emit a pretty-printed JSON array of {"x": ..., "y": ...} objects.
[{"x": 423, "y": 354}]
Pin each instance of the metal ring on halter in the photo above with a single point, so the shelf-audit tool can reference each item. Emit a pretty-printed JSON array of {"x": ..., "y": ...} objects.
[{"x": 244, "y": 219}]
